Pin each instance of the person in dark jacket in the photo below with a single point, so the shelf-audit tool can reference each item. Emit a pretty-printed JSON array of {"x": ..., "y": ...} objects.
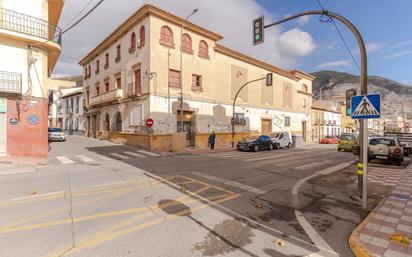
[{"x": 212, "y": 140}]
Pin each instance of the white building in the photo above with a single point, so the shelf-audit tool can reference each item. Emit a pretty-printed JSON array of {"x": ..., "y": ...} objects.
[
  {"x": 326, "y": 120},
  {"x": 72, "y": 110}
]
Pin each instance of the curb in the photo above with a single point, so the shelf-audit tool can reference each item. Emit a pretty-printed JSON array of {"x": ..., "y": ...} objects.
[{"x": 354, "y": 242}]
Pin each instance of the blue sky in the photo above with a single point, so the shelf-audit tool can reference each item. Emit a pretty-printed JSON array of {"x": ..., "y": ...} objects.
[
  {"x": 384, "y": 25},
  {"x": 305, "y": 44}
]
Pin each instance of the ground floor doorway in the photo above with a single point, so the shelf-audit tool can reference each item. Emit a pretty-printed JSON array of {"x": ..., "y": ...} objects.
[
  {"x": 266, "y": 126},
  {"x": 304, "y": 127},
  {"x": 188, "y": 127}
]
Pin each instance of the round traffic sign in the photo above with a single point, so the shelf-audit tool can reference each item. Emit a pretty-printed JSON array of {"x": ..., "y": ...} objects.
[{"x": 149, "y": 122}]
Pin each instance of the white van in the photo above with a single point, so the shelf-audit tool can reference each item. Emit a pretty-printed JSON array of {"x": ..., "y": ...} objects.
[{"x": 281, "y": 139}]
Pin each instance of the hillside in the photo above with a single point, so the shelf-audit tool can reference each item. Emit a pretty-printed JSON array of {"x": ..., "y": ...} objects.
[{"x": 393, "y": 93}]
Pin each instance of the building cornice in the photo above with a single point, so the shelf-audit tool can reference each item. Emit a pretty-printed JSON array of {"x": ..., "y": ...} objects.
[
  {"x": 242, "y": 57},
  {"x": 145, "y": 11},
  {"x": 302, "y": 74},
  {"x": 323, "y": 109}
]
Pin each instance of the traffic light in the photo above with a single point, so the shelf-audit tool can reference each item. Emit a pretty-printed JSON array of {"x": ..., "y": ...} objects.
[
  {"x": 269, "y": 79},
  {"x": 258, "y": 30},
  {"x": 349, "y": 93}
]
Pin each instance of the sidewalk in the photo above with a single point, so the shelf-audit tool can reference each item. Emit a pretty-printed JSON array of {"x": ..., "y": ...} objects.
[
  {"x": 14, "y": 164},
  {"x": 387, "y": 229}
]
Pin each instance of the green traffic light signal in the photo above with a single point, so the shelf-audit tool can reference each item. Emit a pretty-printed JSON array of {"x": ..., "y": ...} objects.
[
  {"x": 257, "y": 37},
  {"x": 258, "y": 30}
]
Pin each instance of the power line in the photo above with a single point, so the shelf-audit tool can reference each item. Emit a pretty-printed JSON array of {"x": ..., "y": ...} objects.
[
  {"x": 78, "y": 14},
  {"x": 83, "y": 17},
  {"x": 330, "y": 19}
]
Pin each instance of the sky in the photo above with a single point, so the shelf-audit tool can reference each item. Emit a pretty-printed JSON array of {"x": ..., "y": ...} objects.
[{"x": 305, "y": 43}]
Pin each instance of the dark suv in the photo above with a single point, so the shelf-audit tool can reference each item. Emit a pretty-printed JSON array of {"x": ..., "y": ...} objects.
[{"x": 255, "y": 144}]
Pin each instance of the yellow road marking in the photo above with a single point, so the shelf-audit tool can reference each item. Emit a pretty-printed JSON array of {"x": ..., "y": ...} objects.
[
  {"x": 59, "y": 210},
  {"x": 89, "y": 217},
  {"x": 101, "y": 237},
  {"x": 125, "y": 187}
]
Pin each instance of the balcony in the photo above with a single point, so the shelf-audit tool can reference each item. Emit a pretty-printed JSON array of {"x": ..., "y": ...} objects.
[
  {"x": 106, "y": 97},
  {"x": 10, "y": 82},
  {"x": 29, "y": 25},
  {"x": 131, "y": 90}
]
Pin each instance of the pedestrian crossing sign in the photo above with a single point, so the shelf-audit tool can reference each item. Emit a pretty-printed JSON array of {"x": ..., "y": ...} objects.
[{"x": 366, "y": 106}]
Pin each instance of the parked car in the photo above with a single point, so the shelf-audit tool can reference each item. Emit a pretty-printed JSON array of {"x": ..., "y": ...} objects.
[
  {"x": 281, "y": 139},
  {"x": 347, "y": 141},
  {"x": 56, "y": 134},
  {"x": 329, "y": 140},
  {"x": 388, "y": 148},
  {"x": 255, "y": 144}
]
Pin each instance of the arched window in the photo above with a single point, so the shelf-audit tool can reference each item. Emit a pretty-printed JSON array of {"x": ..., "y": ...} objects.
[
  {"x": 187, "y": 43},
  {"x": 143, "y": 36},
  {"x": 304, "y": 88},
  {"x": 203, "y": 49},
  {"x": 132, "y": 41},
  {"x": 166, "y": 36},
  {"x": 118, "y": 122}
]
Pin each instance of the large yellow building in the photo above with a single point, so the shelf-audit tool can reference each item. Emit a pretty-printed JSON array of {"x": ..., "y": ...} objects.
[{"x": 134, "y": 74}]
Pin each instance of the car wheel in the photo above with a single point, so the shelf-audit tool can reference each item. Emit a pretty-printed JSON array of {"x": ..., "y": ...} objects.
[
  {"x": 289, "y": 145},
  {"x": 270, "y": 147},
  {"x": 277, "y": 146},
  {"x": 256, "y": 148},
  {"x": 339, "y": 149},
  {"x": 398, "y": 163}
]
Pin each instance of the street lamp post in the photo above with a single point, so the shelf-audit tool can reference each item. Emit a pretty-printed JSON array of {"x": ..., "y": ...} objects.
[
  {"x": 233, "y": 107},
  {"x": 320, "y": 91},
  {"x": 181, "y": 68},
  {"x": 362, "y": 165}
]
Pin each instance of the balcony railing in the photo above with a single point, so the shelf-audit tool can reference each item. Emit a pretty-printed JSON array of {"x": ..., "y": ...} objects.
[
  {"x": 106, "y": 97},
  {"x": 10, "y": 82},
  {"x": 132, "y": 90},
  {"x": 29, "y": 25}
]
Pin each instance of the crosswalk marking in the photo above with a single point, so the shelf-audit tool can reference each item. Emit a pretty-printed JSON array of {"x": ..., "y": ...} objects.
[
  {"x": 64, "y": 159},
  {"x": 84, "y": 158},
  {"x": 312, "y": 165},
  {"x": 119, "y": 156},
  {"x": 105, "y": 158},
  {"x": 292, "y": 158},
  {"x": 135, "y": 154},
  {"x": 148, "y": 153},
  {"x": 274, "y": 156}
]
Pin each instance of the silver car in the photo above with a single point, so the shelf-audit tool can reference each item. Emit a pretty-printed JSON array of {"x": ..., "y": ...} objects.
[
  {"x": 388, "y": 148},
  {"x": 56, "y": 134}
]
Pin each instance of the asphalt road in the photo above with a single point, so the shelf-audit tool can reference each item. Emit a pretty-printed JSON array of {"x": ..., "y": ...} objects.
[{"x": 96, "y": 198}]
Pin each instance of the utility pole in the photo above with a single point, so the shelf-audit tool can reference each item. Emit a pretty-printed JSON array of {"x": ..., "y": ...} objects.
[
  {"x": 363, "y": 160},
  {"x": 181, "y": 69},
  {"x": 403, "y": 116}
]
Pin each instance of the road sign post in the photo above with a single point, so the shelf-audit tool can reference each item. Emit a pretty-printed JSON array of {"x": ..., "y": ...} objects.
[
  {"x": 149, "y": 125},
  {"x": 365, "y": 107}
]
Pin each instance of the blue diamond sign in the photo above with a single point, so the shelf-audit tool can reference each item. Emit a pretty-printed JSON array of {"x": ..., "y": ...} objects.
[{"x": 366, "y": 106}]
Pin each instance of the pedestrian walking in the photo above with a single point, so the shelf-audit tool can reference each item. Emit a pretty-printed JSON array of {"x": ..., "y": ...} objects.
[{"x": 212, "y": 140}]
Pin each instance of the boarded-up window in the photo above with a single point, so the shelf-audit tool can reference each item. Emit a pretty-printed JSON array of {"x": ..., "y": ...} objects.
[
  {"x": 287, "y": 95},
  {"x": 136, "y": 117},
  {"x": 238, "y": 79},
  {"x": 266, "y": 92},
  {"x": 174, "y": 78}
]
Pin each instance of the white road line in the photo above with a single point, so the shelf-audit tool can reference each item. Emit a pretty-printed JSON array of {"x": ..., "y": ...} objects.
[
  {"x": 135, "y": 154},
  {"x": 274, "y": 156},
  {"x": 309, "y": 230},
  {"x": 84, "y": 158},
  {"x": 34, "y": 196},
  {"x": 119, "y": 156},
  {"x": 291, "y": 244},
  {"x": 230, "y": 183},
  {"x": 227, "y": 154},
  {"x": 108, "y": 184},
  {"x": 148, "y": 153},
  {"x": 64, "y": 160},
  {"x": 311, "y": 165},
  {"x": 105, "y": 158}
]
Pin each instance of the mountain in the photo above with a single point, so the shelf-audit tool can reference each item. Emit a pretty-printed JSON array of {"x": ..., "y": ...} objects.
[{"x": 393, "y": 93}]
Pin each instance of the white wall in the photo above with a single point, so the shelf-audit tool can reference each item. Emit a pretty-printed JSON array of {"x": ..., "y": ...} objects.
[{"x": 35, "y": 8}]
